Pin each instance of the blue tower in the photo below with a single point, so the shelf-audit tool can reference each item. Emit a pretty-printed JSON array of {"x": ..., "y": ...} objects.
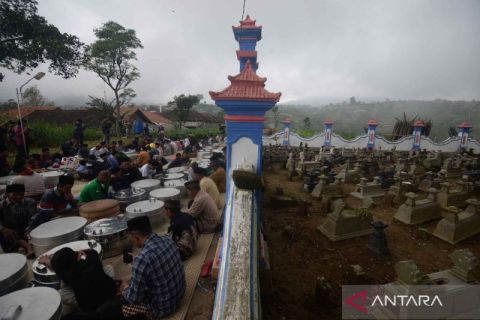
[
  {"x": 247, "y": 34},
  {"x": 372, "y": 126},
  {"x": 417, "y": 134},
  {"x": 328, "y": 124},
  {"x": 245, "y": 102},
  {"x": 286, "y": 131},
  {"x": 464, "y": 129}
]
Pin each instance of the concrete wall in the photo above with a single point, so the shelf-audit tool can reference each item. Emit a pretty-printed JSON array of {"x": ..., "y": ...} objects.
[{"x": 404, "y": 144}]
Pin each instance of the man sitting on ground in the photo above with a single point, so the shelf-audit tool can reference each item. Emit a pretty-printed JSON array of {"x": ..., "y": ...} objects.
[
  {"x": 207, "y": 184},
  {"x": 143, "y": 157},
  {"x": 46, "y": 159},
  {"x": 203, "y": 208},
  {"x": 98, "y": 149},
  {"x": 59, "y": 201},
  {"x": 158, "y": 279},
  {"x": 15, "y": 214},
  {"x": 219, "y": 176},
  {"x": 82, "y": 272},
  {"x": 182, "y": 228},
  {"x": 97, "y": 189},
  {"x": 148, "y": 169},
  {"x": 68, "y": 148},
  {"x": 178, "y": 161},
  {"x": 109, "y": 160},
  {"x": 127, "y": 175},
  {"x": 33, "y": 182}
]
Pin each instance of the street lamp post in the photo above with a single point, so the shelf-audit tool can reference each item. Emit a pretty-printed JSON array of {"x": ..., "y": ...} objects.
[{"x": 38, "y": 76}]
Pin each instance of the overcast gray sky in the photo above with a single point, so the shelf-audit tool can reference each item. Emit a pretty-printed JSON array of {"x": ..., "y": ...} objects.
[{"x": 404, "y": 49}]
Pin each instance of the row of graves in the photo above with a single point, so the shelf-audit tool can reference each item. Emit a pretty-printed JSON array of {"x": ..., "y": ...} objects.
[{"x": 436, "y": 194}]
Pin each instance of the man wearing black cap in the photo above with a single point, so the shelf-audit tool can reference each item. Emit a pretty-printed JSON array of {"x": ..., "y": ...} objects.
[
  {"x": 15, "y": 214},
  {"x": 207, "y": 185},
  {"x": 158, "y": 279},
  {"x": 182, "y": 228},
  {"x": 203, "y": 209},
  {"x": 60, "y": 201}
]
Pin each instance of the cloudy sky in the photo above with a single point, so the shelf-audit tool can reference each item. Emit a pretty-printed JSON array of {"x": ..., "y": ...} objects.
[{"x": 311, "y": 49}]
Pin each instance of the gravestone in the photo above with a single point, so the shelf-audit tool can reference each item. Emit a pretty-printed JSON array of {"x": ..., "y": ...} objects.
[
  {"x": 368, "y": 189},
  {"x": 415, "y": 211},
  {"x": 458, "y": 225},
  {"x": 345, "y": 223}
]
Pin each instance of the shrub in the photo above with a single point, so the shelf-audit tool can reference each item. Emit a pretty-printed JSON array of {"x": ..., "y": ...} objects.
[
  {"x": 196, "y": 133},
  {"x": 305, "y": 133},
  {"x": 48, "y": 135}
]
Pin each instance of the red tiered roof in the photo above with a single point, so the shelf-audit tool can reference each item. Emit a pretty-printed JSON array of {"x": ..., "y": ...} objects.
[
  {"x": 328, "y": 120},
  {"x": 246, "y": 54},
  {"x": 465, "y": 124},
  {"x": 287, "y": 120},
  {"x": 372, "y": 122},
  {"x": 247, "y": 24},
  {"x": 419, "y": 123},
  {"x": 246, "y": 86}
]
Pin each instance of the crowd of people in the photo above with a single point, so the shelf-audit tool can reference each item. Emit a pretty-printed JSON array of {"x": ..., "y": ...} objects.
[{"x": 158, "y": 281}]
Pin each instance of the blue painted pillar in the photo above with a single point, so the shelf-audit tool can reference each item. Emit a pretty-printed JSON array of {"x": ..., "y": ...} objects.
[
  {"x": 417, "y": 134},
  {"x": 247, "y": 35},
  {"x": 464, "y": 129},
  {"x": 372, "y": 127},
  {"x": 244, "y": 102},
  {"x": 286, "y": 131},
  {"x": 328, "y": 124}
]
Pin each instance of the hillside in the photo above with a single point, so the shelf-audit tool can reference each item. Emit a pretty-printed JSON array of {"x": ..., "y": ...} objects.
[{"x": 351, "y": 118}]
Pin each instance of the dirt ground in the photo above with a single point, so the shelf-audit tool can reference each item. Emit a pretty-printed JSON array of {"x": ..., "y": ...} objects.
[{"x": 297, "y": 258}]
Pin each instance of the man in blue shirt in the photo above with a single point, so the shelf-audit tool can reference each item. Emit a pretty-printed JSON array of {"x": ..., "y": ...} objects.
[{"x": 158, "y": 279}]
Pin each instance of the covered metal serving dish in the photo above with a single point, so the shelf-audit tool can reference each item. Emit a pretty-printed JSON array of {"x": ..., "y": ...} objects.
[
  {"x": 13, "y": 272},
  {"x": 56, "y": 232},
  {"x": 146, "y": 184},
  {"x": 165, "y": 194},
  {"x": 153, "y": 209},
  {"x": 129, "y": 196},
  {"x": 111, "y": 233},
  {"x": 40, "y": 303}
]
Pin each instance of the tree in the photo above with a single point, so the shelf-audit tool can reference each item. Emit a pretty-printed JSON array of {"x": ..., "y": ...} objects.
[
  {"x": 276, "y": 117},
  {"x": 104, "y": 108},
  {"x": 110, "y": 58},
  {"x": 33, "y": 97},
  {"x": 452, "y": 132},
  {"x": 26, "y": 40},
  {"x": 352, "y": 100},
  {"x": 8, "y": 105},
  {"x": 306, "y": 123},
  {"x": 183, "y": 106}
]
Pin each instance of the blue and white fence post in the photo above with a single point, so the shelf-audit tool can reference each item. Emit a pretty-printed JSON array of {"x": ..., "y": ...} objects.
[
  {"x": 464, "y": 129},
  {"x": 328, "y": 123},
  {"x": 286, "y": 131},
  {"x": 417, "y": 134},
  {"x": 372, "y": 126}
]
